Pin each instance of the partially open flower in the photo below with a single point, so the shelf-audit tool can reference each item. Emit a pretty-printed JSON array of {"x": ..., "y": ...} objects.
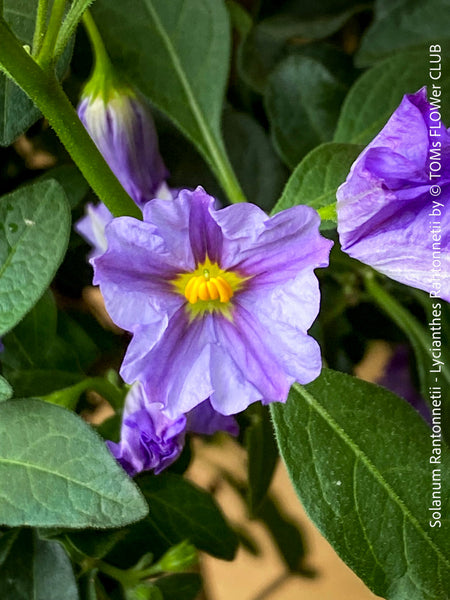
[
  {"x": 149, "y": 439},
  {"x": 120, "y": 123},
  {"x": 388, "y": 217},
  {"x": 219, "y": 301}
]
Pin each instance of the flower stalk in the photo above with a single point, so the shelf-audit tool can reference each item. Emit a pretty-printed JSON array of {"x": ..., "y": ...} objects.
[{"x": 45, "y": 91}]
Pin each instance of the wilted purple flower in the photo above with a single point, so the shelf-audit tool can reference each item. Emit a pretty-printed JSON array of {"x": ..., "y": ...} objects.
[
  {"x": 219, "y": 301},
  {"x": 123, "y": 130},
  {"x": 398, "y": 378},
  {"x": 152, "y": 441},
  {"x": 387, "y": 216},
  {"x": 149, "y": 439}
]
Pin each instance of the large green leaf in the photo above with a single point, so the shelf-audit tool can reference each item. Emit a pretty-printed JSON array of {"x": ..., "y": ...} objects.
[
  {"x": 17, "y": 111},
  {"x": 402, "y": 24},
  {"x": 34, "y": 231},
  {"x": 316, "y": 179},
  {"x": 177, "y": 53},
  {"x": 260, "y": 170},
  {"x": 303, "y": 99},
  {"x": 37, "y": 569},
  {"x": 5, "y": 390},
  {"x": 378, "y": 92},
  {"x": 359, "y": 459},
  {"x": 272, "y": 39},
  {"x": 182, "y": 511},
  {"x": 57, "y": 472}
]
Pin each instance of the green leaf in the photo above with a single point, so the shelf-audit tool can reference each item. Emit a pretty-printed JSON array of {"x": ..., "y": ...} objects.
[
  {"x": 182, "y": 511},
  {"x": 57, "y": 472},
  {"x": 303, "y": 99},
  {"x": 5, "y": 390},
  {"x": 240, "y": 18},
  {"x": 403, "y": 24},
  {"x": 316, "y": 179},
  {"x": 40, "y": 382},
  {"x": 35, "y": 228},
  {"x": 69, "y": 396},
  {"x": 173, "y": 51},
  {"x": 277, "y": 36},
  {"x": 257, "y": 165},
  {"x": 262, "y": 455},
  {"x": 37, "y": 569},
  {"x": 182, "y": 585},
  {"x": 17, "y": 111},
  {"x": 94, "y": 544},
  {"x": 378, "y": 92},
  {"x": 69, "y": 177},
  {"x": 28, "y": 343},
  {"x": 359, "y": 459}
]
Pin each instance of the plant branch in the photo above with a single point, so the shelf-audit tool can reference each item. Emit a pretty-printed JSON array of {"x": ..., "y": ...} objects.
[
  {"x": 47, "y": 94},
  {"x": 41, "y": 24},
  {"x": 69, "y": 26},
  {"x": 45, "y": 54}
]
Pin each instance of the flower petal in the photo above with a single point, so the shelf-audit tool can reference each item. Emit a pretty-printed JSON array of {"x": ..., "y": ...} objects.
[
  {"x": 134, "y": 274},
  {"x": 175, "y": 369}
]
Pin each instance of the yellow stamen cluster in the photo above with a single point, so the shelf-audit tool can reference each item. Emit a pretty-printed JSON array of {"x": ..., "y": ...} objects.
[
  {"x": 208, "y": 289},
  {"x": 204, "y": 287}
]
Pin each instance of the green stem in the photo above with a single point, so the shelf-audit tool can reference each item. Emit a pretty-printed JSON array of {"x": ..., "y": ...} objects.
[
  {"x": 100, "y": 55},
  {"x": 227, "y": 177},
  {"x": 68, "y": 397},
  {"x": 47, "y": 94},
  {"x": 69, "y": 26},
  {"x": 45, "y": 55},
  {"x": 124, "y": 577},
  {"x": 418, "y": 335},
  {"x": 41, "y": 25}
]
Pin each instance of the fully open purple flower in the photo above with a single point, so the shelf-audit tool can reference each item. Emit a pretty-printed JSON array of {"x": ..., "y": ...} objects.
[
  {"x": 219, "y": 301},
  {"x": 151, "y": 441},
  {"x": 387, "y": 216}
]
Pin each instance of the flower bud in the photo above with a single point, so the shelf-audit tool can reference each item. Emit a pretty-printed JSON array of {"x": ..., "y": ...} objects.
[
  {"x": 144, "y": 591},
  {"x": 179, "y": 558},
  {"x": 120, "y": 124}
]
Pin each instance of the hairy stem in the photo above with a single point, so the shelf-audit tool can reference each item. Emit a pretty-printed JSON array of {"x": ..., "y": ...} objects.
[
  {"x": 45, "y": 91},
  {"x": 41, "y": 25},
  {"x": 45, "y": 54}
]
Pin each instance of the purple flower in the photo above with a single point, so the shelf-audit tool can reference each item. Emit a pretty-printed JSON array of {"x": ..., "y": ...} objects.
[
  {"x": 219, "y": 301},
  {"x": 92, "y": 227},
  {"x": 123, "y": 130},
  {"x": 204, "y": 420},
  {"x": 151, "y": 441},
  {"x": 398, "y": 379},
  {"x": 387, "y": 217}
]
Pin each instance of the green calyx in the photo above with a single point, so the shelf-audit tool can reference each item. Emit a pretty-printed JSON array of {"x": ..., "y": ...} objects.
[{"x": 103, "y": 82}]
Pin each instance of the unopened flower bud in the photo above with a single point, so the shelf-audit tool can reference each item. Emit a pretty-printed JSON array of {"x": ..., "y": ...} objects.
[
  {"x": 120, "y": 123},
  {"x": 179, "y": 558}
]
